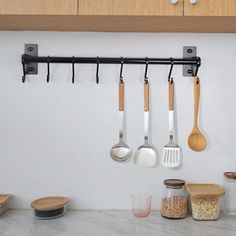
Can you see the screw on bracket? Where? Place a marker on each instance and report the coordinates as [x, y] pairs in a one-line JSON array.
[[30, 49], [190, 72], [190, 50], [31, 69]]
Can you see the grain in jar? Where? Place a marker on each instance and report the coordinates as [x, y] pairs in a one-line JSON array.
[[174, 203]]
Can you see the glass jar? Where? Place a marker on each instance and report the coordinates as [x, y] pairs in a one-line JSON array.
[[205, 201], [174, 204], [230, 193]]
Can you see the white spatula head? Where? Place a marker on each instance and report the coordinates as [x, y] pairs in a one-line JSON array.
[[171, 157]]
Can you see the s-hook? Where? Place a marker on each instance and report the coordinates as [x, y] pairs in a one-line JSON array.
[[121, 70], [48, 67], [97, 72], [146, 72], [24, 72], [73, 70], [170, 79]]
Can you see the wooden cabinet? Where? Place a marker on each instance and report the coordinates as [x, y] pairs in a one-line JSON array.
[[130, 7], [38, 7], [119, 15], [210, 8]]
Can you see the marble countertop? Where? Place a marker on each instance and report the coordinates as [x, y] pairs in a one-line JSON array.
[[111, 223]]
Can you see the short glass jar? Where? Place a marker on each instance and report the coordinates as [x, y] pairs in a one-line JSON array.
[[205, 201], [230, 193], [174, 204]]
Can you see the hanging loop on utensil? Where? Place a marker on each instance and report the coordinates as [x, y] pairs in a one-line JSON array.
[[197, 68], [121, 70], [73, 70], [97, 72], [197, 80], [146, 72], [170, 79], [48, 68]]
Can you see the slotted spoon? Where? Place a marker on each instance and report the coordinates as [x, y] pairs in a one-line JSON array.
[[171, 154]]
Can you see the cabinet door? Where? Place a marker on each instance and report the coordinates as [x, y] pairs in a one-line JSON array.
[[131, 7], [39, 7], [210, 8]]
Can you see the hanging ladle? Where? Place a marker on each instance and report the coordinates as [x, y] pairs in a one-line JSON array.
[[121, 152]]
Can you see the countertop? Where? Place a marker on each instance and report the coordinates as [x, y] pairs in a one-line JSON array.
[[111, 223]]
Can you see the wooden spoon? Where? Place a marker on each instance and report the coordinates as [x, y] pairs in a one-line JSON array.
[[196, 141]]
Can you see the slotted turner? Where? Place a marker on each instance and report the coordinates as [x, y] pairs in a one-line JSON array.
[[171, 154]]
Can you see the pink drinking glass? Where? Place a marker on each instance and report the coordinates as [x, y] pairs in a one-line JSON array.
[[141, 204]]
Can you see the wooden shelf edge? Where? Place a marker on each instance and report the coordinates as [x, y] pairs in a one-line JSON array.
[[194, 24]]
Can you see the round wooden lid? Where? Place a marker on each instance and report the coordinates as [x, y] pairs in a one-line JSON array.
[[174, 182], [230, 175], [49, 203]]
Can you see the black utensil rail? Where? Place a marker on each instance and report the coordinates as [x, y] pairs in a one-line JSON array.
[[29, 60]]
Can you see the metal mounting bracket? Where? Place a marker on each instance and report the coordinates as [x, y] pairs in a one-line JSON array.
[[189, 52], [31, 50]]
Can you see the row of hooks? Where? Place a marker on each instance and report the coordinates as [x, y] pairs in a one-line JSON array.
[[97, 70]]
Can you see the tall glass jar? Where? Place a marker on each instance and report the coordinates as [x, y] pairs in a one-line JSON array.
[[230, 193], [174, 204]]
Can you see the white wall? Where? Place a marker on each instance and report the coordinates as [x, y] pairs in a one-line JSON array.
[[55, 138]]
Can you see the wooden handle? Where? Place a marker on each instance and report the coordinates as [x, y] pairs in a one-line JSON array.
[[196, 99], [146, 96], [121, 96], [171, 95]]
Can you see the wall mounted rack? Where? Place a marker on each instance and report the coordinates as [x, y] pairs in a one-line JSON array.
[[30, 59]]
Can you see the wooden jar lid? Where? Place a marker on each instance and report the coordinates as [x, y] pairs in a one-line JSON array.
[[4, 198], [49, 203], [174, 182], [230, 175], [204, 190]]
